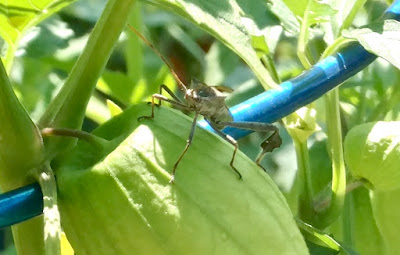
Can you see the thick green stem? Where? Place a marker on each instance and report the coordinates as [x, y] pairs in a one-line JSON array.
[[306, 206], [51, 215], [67, 110], [338, 167]]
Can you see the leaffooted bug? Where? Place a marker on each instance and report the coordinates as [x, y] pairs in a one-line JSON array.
[[209, 101]]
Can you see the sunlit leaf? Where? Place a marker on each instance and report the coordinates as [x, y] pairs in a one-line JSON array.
[[17, 16], [386, 209], [285, 15], [381, 39], [124, 190]]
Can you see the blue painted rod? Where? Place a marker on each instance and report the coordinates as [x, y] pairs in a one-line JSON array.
[[26, 202], [20, 204], [291, 95]]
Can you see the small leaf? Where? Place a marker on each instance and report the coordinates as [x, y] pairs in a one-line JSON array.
[[381, 39], [302, 123], [260, 45], [318, 11]]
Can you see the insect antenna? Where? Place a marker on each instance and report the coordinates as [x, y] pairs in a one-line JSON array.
[[180, 83]]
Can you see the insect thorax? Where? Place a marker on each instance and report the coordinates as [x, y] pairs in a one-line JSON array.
[[209, 102]]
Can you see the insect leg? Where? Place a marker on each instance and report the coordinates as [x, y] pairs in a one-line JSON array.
[[163, 86], [231, 140], [188, 143], [272, 142], [163, 98]]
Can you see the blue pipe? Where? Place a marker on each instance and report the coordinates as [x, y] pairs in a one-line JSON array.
[[291, 95], [27, 202], [20, 204]]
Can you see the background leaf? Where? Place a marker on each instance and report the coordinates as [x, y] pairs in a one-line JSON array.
[[381, 39], [226, 20], [18, 16]]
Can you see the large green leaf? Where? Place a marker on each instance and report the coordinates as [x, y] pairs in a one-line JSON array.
[[381, 39], [124, 191], [17, 16], [367, 237], [386, 209], [233, 23]]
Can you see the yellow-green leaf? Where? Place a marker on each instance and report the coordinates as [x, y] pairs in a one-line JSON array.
[[126, 194]]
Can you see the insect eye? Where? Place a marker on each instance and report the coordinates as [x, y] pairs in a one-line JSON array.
[[202, 93]]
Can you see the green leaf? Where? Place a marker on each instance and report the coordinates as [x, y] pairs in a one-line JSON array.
[[18, 16], [220, 62], [367, 236], [125, 191], [322, 237], [285, 14], [381, 39], [316, 11], [297, 7], [372, 152], [386, 209], [346, 11], [226, 20]]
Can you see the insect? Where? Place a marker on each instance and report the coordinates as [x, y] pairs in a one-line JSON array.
[[209, 101]]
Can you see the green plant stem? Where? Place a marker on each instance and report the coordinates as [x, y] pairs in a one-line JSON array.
[[335, 46], [51, 215], [362, 106], [90, 138], [338, 167], [323, 204], [269, 64], [306, 198], [303, 52], [350, 17], [67, 110]]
